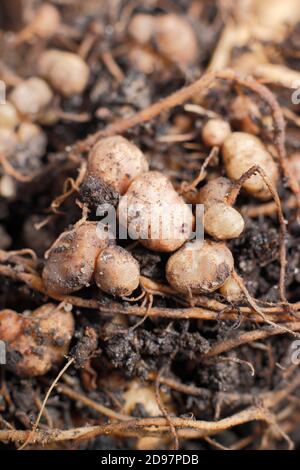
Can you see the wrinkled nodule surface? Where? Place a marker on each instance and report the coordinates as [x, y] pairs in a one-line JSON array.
[[71, 260], [38, 341], [199, 267]]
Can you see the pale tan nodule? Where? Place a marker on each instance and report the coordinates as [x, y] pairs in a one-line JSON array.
[[65, 71], [113, 163], [155, 214], [231, 290], [215, 131], [163, 30], [214, 191], [242, 151], [31, 97], [70, 262], [223, 222], [117, 272], [199, 267], [36, 341]]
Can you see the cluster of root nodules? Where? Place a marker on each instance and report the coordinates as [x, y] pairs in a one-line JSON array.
[[152, 343]]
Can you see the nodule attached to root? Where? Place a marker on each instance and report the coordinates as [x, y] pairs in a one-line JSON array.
[[47, 21], [38, 341], [199, 267], [8, 116], [31, 97], [245, 114], [216, 190], [231, 290], [215, 132], [113, 164], [164, 30], [155, 214], [117, 272], [70, 262], [221, 221], [242, 151], [65, 71]]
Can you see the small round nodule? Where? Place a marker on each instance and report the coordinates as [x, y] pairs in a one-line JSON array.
[[199, 267], [145, 60], [214, 191], [164, 30], [176, 39], [65, 71], [8, 141], [245, 114], [8, 116], [242, 151], [231, 290], [46, 21], [223, 222], [117, 272], [28, 131], [39, 340], [214, 132], [113, 163], [70, 262], [31, 97], [295, 164], [154, 213], [33, 138], [141, 27], [10, 325]]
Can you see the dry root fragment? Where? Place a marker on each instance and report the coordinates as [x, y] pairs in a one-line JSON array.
[[117, 272], [31, 97], [241, 151], [70, 262], [199, 267], [36, 342], [140, 426], [65, 71], [155, 214], [113, 164], [272, 189]]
